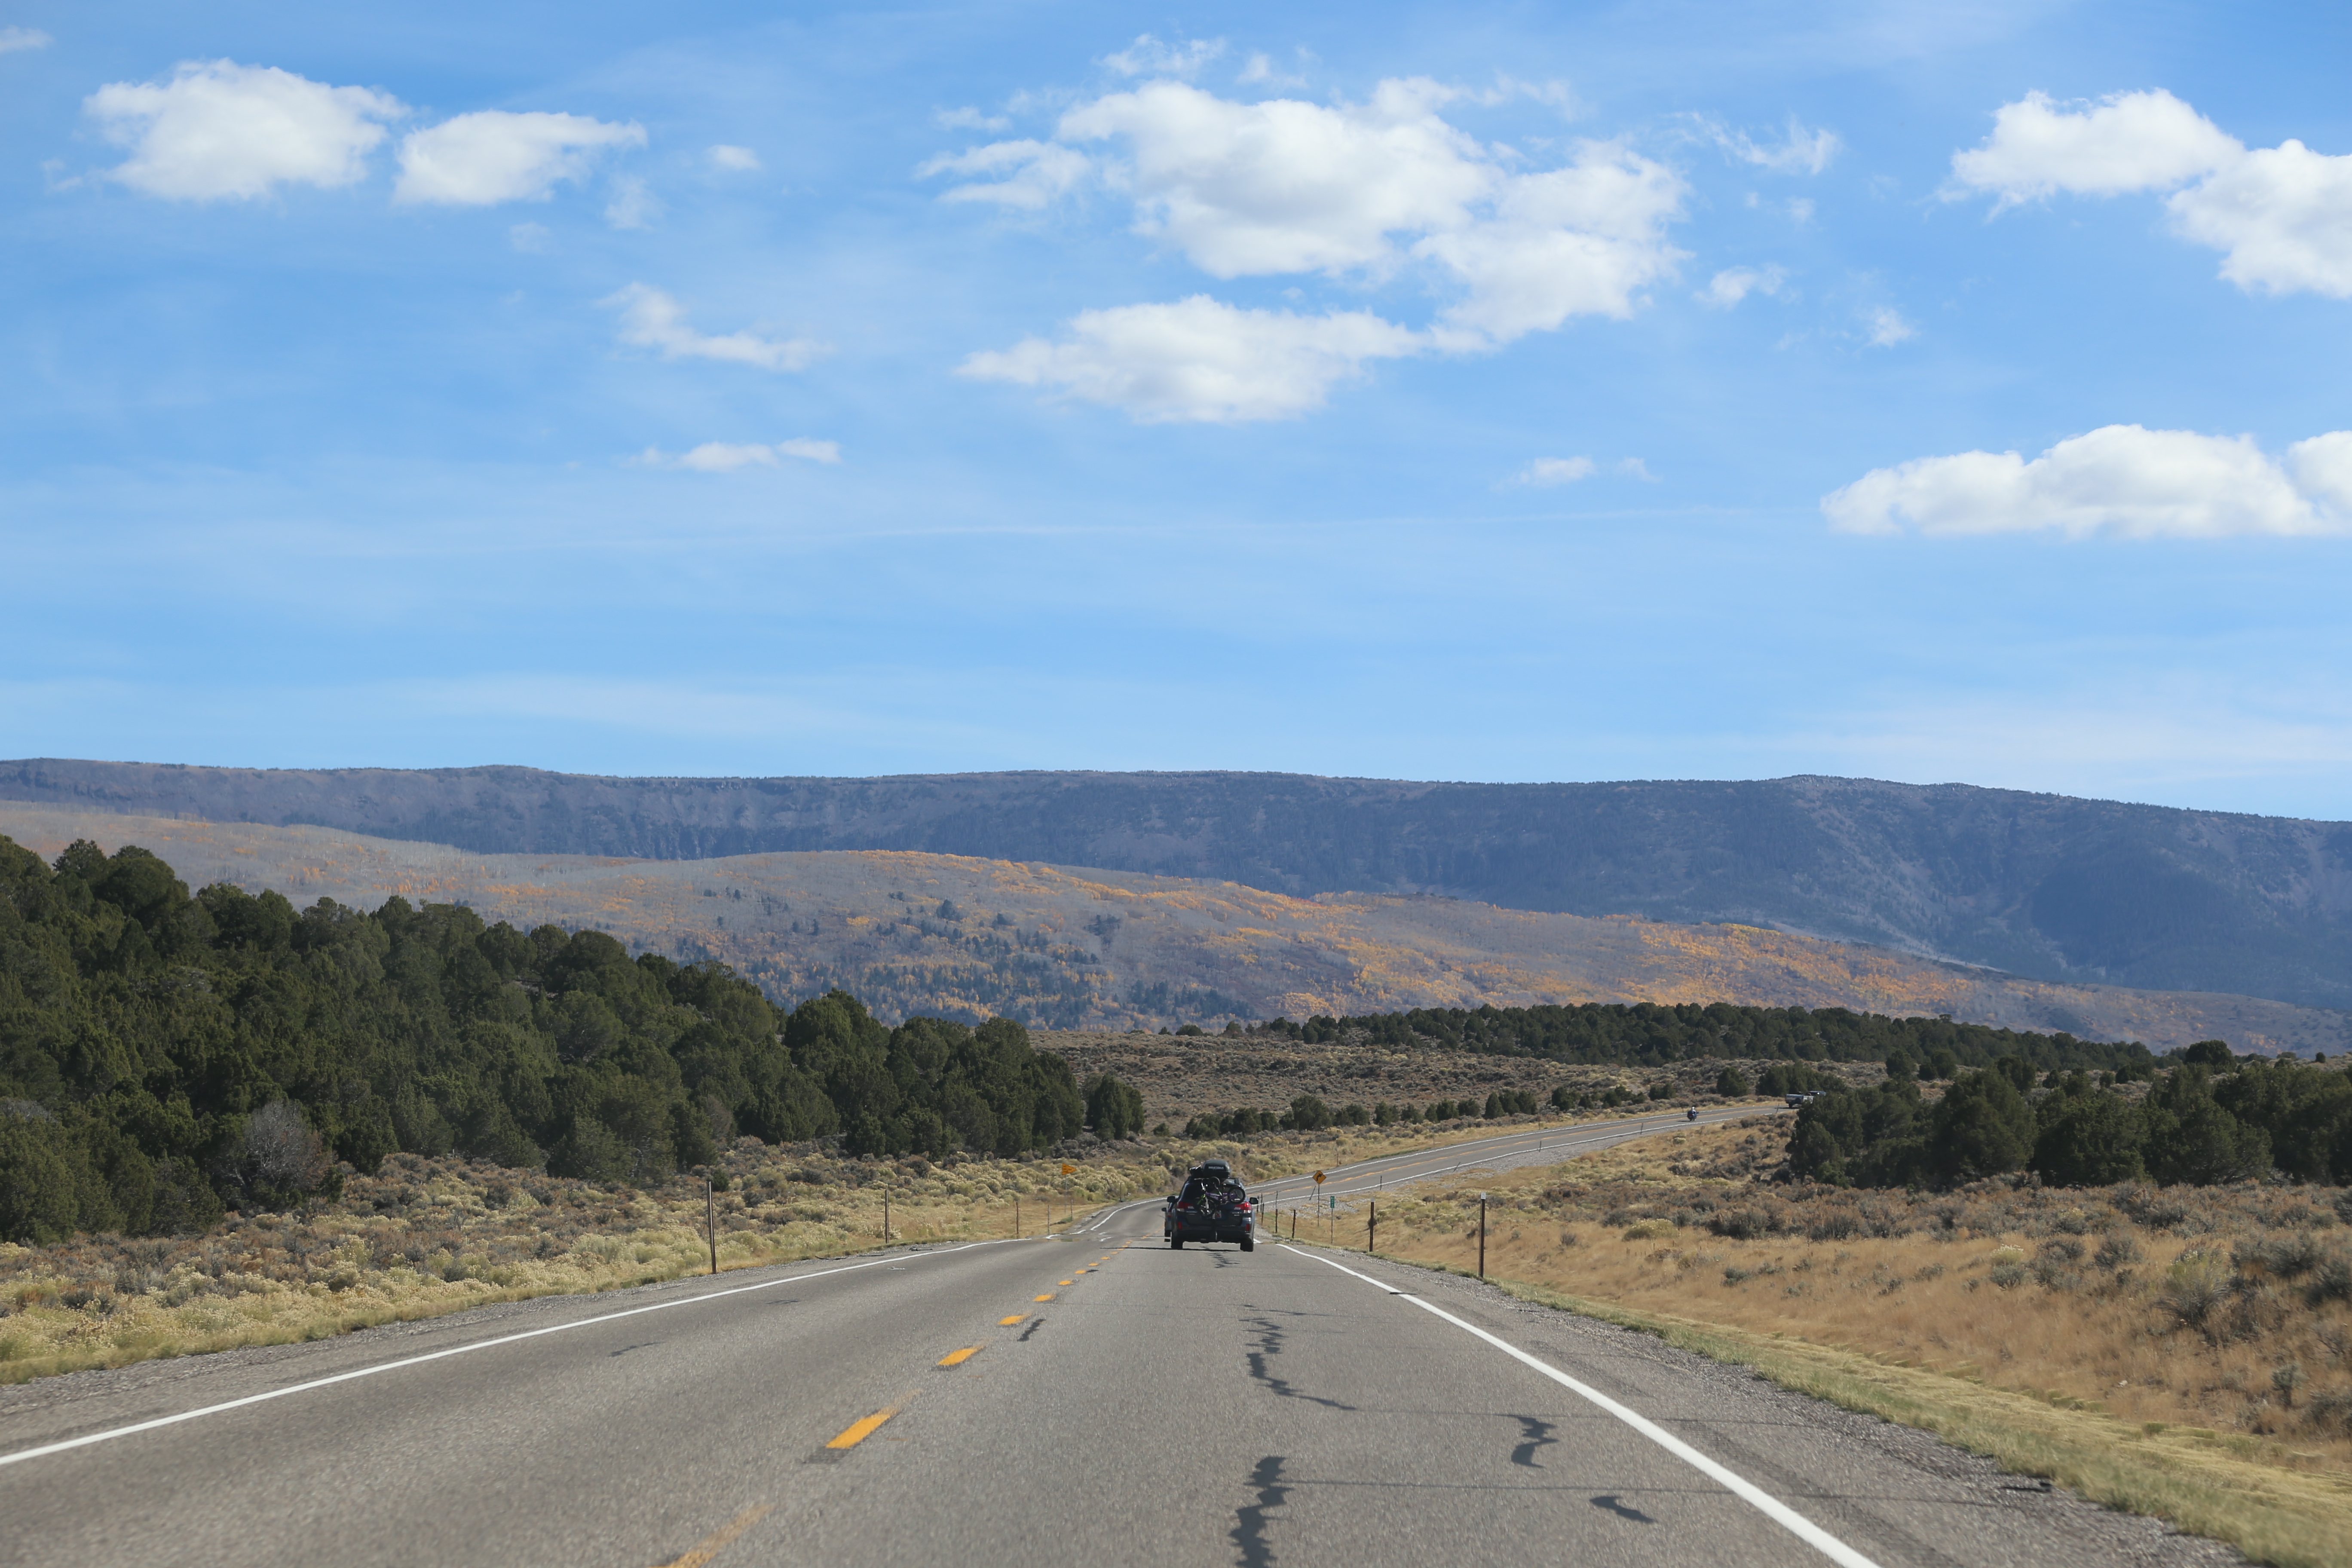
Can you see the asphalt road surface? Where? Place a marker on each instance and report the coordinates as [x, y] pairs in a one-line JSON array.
[[1536, 1146], [1094, 1399]]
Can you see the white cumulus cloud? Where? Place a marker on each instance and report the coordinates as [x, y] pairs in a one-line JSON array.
[[2119, 480], [1027, 173], [2323, 471], [1287, 186], [215, 128], [652, 320], [14, 38], [741, 160], [492, 157], [2127, 142], [1555, 472], [1733, 284], [1199, 360], [1582, 240], [2282, 216], [726, 456], [1369, 190]]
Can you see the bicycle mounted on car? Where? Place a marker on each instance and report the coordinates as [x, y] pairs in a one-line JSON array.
[[1212, 1207]]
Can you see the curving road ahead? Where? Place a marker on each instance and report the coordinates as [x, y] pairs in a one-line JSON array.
[[1088, 1399]]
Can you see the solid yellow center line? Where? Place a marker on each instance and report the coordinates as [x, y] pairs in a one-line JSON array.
[[718, 1541], [1008, 1323], [861, 1430], [1046, 1297], [957, 1358]]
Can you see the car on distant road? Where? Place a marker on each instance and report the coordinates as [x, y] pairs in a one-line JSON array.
[[1212, 1207]]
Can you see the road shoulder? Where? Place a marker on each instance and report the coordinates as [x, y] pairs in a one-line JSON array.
[[2193, 1484]]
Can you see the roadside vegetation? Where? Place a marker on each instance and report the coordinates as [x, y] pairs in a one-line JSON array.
[[2210, 1118], [2178, 1350], [427, 1235]]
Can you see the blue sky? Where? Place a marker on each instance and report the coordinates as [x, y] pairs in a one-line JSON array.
[[1927, 392]]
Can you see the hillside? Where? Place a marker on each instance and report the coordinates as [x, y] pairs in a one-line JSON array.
[[1067, 948], [2042, 886]]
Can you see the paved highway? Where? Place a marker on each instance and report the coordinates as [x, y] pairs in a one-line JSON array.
[[1536, 1146], [1088, 1399]]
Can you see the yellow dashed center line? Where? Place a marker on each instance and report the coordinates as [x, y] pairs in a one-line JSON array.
[[1064, 1281], [1046, 1297], [864, 1429], [1008, 1323], [957, 1358], [718, 1541]]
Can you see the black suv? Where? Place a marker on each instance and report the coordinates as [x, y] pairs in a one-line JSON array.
[[1212, 1207]]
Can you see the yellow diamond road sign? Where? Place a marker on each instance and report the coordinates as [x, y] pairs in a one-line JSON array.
[[1069, 1170], [1319, 1178]]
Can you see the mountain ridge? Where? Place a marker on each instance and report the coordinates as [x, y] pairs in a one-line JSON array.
[[2044, 886], [1075, 947]]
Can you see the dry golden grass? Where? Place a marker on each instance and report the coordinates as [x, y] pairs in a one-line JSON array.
[[2105, 1338], [425, 1238]]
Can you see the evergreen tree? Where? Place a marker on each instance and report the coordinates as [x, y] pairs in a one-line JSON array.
[[1982, 1127]]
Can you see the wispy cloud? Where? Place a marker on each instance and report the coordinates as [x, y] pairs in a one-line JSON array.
[[652, 318], [1888, 327], [483, 158], [1733, 284], [633, 206], [1798, 152], [1027, 173], [968, 120], [727, 457], [14, 38], [1148, 57], [1555, 472]]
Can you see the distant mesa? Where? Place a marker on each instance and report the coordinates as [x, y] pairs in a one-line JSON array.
[[2044, 887], [1064, 947]]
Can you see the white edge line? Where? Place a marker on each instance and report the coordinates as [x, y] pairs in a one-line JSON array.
[[88, 1438], [1764, 1502]]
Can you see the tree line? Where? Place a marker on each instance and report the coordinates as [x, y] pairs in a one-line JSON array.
[[2212, 1118], [1653, 1034], [166, 1055]]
